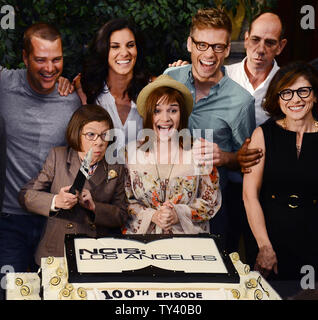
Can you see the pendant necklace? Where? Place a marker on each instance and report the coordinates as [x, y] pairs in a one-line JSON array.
[[164, 185], [298, 146]]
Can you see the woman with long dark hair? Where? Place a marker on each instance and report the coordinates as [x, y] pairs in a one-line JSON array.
[[113, 75]]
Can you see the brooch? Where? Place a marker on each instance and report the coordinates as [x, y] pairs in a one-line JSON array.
[[112, 174]]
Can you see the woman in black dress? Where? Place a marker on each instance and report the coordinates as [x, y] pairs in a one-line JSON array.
[[281, 193]]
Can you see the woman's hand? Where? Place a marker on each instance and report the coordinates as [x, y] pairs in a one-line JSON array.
[[165, 216], [86, 200], [173, 217], [160, 218], [78, 87], [266, 261], [64, 86], [65, 200]]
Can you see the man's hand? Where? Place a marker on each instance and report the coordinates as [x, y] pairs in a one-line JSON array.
[[178, 63], [203, 153], [64, 86], [248, 157], [219, 156], [210, 154]]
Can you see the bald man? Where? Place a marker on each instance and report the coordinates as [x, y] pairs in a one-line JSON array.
[[263, 42]]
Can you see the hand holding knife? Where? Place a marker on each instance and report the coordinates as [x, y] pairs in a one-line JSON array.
[[82, 174]]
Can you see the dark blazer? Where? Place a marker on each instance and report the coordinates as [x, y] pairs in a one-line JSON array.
[[107, 190], [3, 155]]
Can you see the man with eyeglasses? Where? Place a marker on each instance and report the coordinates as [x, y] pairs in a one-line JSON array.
[[220, 103]]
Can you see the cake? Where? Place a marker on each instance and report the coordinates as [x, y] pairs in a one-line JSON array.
[[146, 267]]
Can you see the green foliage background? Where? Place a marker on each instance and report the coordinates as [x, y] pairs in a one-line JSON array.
[[164, 24]]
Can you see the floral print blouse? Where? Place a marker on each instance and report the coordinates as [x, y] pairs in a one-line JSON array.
[[196, 198]]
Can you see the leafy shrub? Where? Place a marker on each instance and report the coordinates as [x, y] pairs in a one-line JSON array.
[[164, 24]]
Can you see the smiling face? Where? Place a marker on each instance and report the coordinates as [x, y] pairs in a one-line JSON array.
[[99, 146], [206, 65], [44, 64], [166, 118], [298, 108], [122, 54]]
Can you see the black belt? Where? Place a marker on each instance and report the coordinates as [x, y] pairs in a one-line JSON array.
[[294, 200]]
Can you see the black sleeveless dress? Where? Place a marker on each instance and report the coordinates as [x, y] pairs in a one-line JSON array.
[[289, 198]]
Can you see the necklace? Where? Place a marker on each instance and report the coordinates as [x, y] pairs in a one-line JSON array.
[[163, 185], [298, 146], [315, 125]]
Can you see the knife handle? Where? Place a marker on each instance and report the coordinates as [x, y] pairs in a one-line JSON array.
[[78, 183], [72, 190]]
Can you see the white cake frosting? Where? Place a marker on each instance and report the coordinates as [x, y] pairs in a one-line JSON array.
[[22, 286], [55, 274]]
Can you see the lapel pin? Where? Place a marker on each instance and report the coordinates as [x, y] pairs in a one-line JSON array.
[[112, 174]]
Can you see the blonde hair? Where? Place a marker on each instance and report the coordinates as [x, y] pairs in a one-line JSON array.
[[211, 18]]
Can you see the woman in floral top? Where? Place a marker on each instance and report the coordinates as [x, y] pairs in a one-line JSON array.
[[167, 192]]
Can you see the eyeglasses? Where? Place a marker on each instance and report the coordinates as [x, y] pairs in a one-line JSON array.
[[287, 94], [91, 136], [204, 46]]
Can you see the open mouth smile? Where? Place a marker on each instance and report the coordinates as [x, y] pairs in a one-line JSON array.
[[205, 63], [296, 108], [48, 76], [123, 62]]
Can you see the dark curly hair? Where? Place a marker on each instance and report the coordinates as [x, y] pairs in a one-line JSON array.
[[95, 65], [285, 77]]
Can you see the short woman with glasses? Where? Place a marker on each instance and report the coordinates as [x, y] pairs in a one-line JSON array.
[[100, 207], [281, 193]]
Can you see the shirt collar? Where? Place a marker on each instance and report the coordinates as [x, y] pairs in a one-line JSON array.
[[107, 92], [274, 69], [216, 86]]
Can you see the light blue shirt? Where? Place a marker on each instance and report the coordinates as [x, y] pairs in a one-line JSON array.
[[228, 110]]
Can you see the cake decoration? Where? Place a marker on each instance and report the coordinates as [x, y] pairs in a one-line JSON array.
[[55, 281], [18, 281], [258, 294], [236, 293], [141, 263], [25, 290]]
